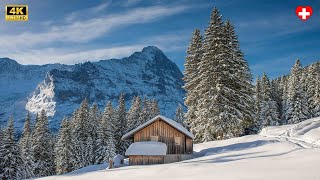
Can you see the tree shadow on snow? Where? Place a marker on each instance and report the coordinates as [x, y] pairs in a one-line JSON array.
[[237, 157], [232, 147]]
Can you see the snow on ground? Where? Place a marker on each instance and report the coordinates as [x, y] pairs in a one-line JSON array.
[[285, 152]]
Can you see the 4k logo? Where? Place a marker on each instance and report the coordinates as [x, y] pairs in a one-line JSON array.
[[17, 13]]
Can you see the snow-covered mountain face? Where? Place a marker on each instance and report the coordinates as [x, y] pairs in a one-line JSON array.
[[59, 89]]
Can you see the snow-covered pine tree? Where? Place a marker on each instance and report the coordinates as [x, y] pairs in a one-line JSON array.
[[210, 72], [106, 130], [297, 110], [121, 126], [276, 94], [240, 84], [63, 148], [312, 88], [191, 76], [25, 142], [145, 112], [154, 108], [284, 104], [109, 115], [134, 113], [101, 144], [42, 147], [92, 130], [12, 165], [316, 96], [258, 99], [269, 115], [80, 136], [180, 116]]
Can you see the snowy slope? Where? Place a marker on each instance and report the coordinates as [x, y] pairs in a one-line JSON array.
[[59, 89], [269, 156]]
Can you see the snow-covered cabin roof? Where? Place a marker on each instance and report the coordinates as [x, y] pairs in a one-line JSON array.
[[147, 148], [171, 122]]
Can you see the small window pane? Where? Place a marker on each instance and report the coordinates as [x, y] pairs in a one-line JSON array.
[[177, 140], [154, 138]]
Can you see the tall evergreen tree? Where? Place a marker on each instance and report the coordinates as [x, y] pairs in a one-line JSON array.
[[25, 142], [12, 165], [208, 105], [106, 134], [109, 115], [81, 136], [312, 88], [258, 99], [145, 112], [94, 116], [297, 110], [42, 147], [191, 76], [154, 108], [121, 126], [63, 148], [240, 84], [225, 102], [134, 114], [268, 115], [180, 116]]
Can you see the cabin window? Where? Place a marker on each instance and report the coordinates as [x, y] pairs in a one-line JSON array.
[[154, 138], [177, 141]]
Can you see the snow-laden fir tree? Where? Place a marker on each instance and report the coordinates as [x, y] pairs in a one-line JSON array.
[[240, 85], [312, 88], [209, 106], [63, 148], [145, 112], [42, 147], [134, 114], [121, 126], [111, 129], [12, 165], [180, 116], [276, 95], [93, 131], [82, 153], [154, 108], [25, 142], [191, 76], [101, 144], [106, 129], [257, 105], [268, 115], [284, 105], [297, 102], [225, 103]]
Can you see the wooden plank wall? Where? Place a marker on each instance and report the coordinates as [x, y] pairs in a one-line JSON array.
[[166, 135], [145, 160]]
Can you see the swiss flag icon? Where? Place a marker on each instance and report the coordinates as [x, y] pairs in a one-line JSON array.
[[304, 12]]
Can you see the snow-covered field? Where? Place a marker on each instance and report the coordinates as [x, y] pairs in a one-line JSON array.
[[290, 152]]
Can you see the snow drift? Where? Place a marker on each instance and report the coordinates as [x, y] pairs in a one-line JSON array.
[[282, 152]]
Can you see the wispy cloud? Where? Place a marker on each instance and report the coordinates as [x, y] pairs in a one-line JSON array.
[[84, 31], [70, 56], [41, 46], [129, 3], [89, 12]]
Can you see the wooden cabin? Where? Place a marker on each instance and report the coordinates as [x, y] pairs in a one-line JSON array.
[[159, 140]]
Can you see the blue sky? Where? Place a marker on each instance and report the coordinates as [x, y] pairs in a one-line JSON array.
[[271, 35]]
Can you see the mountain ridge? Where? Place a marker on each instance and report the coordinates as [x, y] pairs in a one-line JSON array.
[[60, 88]]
